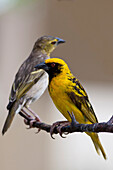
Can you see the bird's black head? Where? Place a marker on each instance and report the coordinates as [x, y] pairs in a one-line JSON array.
[[53, 67]]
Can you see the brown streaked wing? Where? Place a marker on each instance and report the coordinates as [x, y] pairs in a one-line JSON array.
[[23, 74], [33, 79]]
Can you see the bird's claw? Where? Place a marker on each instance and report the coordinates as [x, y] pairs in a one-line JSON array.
[[31, 122], [58, 125], [59, 129], [27, 121], [52, 129], [38, 131]]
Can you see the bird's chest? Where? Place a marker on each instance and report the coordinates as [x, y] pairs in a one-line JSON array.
[[38, 89], [57, 89], [58, 93]]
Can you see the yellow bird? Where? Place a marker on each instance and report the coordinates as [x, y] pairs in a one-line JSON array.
[[69, 96]]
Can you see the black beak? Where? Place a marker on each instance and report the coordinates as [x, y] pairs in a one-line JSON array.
[[42, 66], [60, 41]]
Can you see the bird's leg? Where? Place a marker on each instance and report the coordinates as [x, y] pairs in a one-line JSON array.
[[37, 119], [59, 126], [31, 118], [110, 121], [73, 120], [26, 113]]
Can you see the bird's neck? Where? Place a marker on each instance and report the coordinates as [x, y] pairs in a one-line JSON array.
[[60, 75], [45, 52], [38, 52], [48, 50]]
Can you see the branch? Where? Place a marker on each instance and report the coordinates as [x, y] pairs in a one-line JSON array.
[[74, 126]]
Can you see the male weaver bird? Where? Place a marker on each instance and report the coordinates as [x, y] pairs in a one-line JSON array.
[[26, 87], [69, 96]]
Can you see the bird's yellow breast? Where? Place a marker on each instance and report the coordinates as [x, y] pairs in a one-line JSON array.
[[58, 89]]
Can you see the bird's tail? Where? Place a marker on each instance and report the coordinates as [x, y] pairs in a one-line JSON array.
[[10, 117], [97, 144]]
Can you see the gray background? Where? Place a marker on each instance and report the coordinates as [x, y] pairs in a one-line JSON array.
[[87, 27]]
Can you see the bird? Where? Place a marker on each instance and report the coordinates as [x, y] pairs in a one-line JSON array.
[[28, 88], [69, 96]]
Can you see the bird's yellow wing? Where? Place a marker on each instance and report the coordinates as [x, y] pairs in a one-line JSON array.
[[80, 98]]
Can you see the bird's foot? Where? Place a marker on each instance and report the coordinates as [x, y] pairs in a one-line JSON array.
[[58, 125], [73, 120], [32, 120]]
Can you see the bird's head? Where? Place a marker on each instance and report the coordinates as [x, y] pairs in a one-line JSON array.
[[47, 44], [53, 67]]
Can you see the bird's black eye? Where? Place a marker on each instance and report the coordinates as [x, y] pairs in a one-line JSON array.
[[52, 64], [53, 42]]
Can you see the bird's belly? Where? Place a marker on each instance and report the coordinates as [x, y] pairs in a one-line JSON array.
[[37, 89], [64, 104]]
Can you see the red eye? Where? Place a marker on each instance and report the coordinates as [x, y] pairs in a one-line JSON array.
[[52, 64], [54, 42]]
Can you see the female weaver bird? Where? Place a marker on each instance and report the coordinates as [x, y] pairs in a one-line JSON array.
[[26, 87], [69, 96]]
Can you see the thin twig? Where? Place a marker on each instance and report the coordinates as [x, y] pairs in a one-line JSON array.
[[96, 127]]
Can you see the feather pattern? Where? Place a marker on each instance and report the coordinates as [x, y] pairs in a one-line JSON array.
[[69, 96], [29, 87]]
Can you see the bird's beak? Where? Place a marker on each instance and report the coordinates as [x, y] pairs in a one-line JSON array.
[[60, 40], [42, 66]]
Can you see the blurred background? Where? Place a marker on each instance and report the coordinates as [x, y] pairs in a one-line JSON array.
[[87, 27]]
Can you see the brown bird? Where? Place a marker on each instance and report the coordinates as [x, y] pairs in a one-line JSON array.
[[27, 87]]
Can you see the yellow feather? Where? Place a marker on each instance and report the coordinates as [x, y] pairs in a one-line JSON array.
[[63, 84]]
